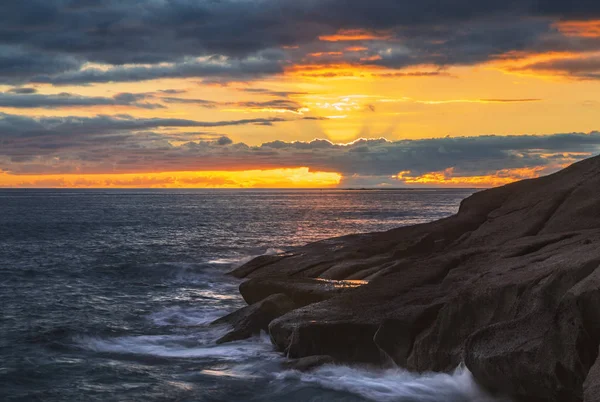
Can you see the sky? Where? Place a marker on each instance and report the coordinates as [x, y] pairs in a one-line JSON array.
[[287, 93]]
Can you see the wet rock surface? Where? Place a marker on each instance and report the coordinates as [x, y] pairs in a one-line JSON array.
[[510, 286], [308, 363], [250, 320]]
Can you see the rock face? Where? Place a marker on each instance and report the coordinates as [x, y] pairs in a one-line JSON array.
[[251, 320], [510, 286], [592, 384]]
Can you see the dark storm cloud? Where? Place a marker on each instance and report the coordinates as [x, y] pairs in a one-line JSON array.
[[51, 39], [24, 99]]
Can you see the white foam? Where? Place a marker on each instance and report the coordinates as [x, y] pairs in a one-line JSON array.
[[395, 384], [178, 346], [255, 358]]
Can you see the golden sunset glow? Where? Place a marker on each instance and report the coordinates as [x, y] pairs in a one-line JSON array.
[[349, 35], [276, 178], [448, 178]]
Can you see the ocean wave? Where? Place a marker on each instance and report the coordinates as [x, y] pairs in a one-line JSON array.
[[235, 262], [185, 316], [178, 346], [395, 385], [199, 274]]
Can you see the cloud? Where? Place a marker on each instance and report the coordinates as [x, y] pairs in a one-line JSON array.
[[22, 90], [62, 144], [26, 98], [273, 105], [12, 126], [580, 67], [18, 64], [224, 141], [50, 41], [123, 144], [214, 68], [269, 92]]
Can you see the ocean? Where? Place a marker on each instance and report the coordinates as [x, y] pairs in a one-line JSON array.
[[106, 295]]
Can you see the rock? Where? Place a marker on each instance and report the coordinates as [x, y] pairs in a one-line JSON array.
[[527, 356], [250, 320], [256, 263], [302, 291], [510, 285], [591, 386], [308, 363]]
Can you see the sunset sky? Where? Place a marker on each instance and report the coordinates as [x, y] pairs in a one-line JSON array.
[[285, 93]]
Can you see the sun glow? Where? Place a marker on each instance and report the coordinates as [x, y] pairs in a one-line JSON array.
[[274, 178]]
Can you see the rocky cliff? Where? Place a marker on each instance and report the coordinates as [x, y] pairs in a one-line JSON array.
[[510, 286]]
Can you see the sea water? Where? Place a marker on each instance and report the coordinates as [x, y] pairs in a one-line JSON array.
[[107, 295]]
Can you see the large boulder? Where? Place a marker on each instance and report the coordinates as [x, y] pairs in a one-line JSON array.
[[250, 320]]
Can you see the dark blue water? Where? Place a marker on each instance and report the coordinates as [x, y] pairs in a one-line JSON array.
[[106, 295]]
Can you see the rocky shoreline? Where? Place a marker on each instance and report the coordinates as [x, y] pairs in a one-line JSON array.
[[509, 286]]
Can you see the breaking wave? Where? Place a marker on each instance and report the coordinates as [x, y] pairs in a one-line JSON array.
[[395, 385]]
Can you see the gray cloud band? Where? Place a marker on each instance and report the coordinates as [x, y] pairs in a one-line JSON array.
[[121, 144]]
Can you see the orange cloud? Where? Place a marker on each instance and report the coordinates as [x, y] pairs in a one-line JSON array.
[[532, 64], [321, 54], [356, 49], [448, 178], [338, 70], [350, 35], [584, 29], [275, 178]]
